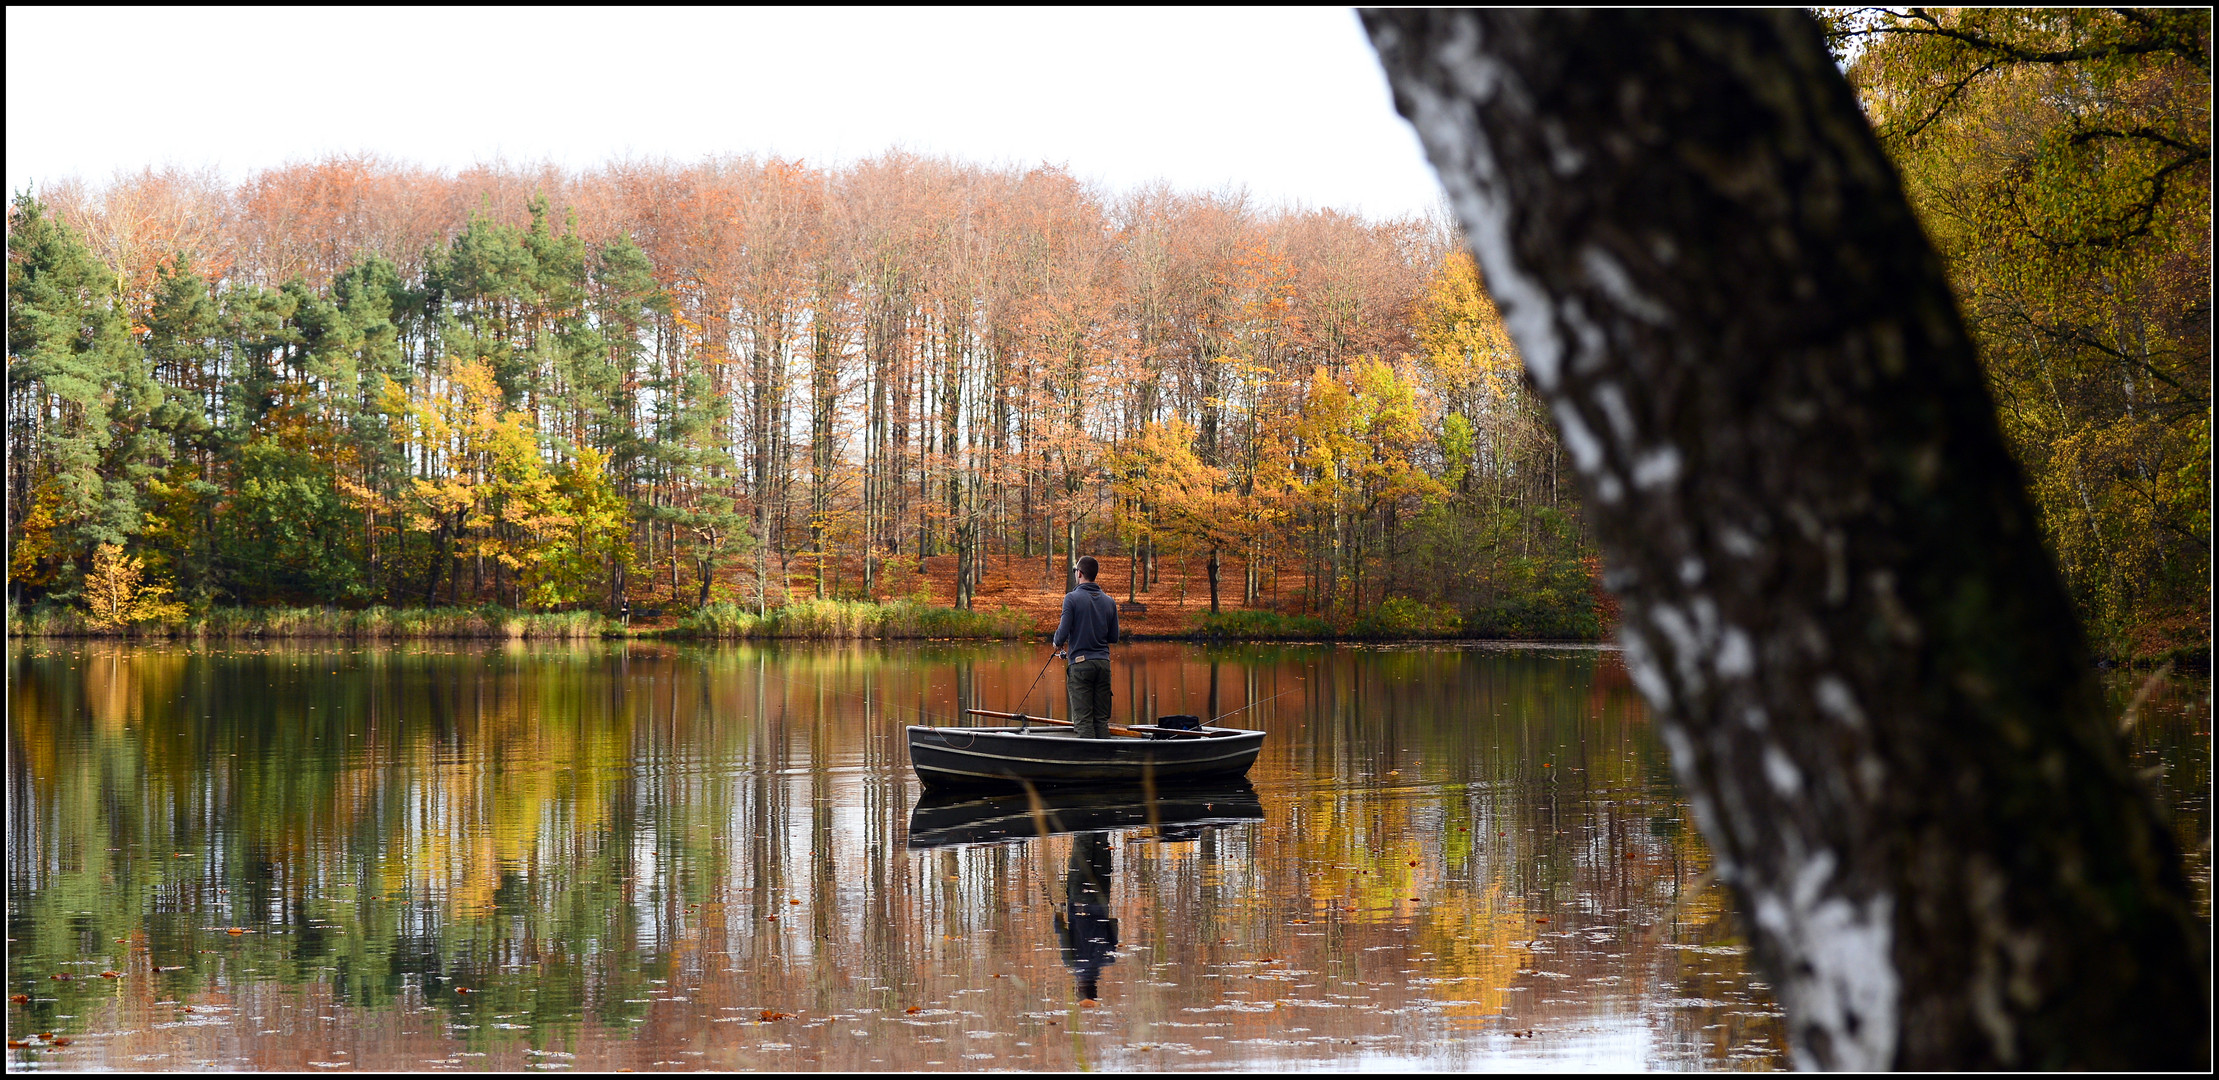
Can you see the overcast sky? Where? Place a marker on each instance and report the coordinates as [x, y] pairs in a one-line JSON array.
[[1287, 103]]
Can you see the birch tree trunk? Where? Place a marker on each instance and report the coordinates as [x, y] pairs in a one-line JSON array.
[[1835, 594]]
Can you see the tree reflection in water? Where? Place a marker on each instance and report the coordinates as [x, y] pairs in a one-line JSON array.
[[294, 855]]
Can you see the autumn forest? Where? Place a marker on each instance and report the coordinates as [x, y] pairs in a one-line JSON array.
[[757, 383], [350, 383]]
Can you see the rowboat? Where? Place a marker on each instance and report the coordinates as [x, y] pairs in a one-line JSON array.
[[1053, 755], [945, 818]]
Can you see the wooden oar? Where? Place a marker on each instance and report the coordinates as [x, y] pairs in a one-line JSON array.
[[1140, 732]]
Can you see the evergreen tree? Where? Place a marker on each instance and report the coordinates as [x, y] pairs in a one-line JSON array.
[[85, 386], [182, 348]]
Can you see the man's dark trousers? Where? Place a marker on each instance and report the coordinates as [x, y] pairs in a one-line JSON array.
[[1087, 683]]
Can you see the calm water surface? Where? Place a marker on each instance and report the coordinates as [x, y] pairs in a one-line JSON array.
[[482, 857]]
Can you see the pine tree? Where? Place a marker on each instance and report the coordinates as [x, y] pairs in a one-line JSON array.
[[84, 384]]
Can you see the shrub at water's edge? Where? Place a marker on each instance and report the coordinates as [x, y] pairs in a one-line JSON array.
[[851, 619], [1262, 626], [377, 622], [1539, 617], [1401, 619]]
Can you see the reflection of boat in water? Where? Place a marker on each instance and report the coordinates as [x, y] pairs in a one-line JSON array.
[[1007, 756], [944, 818]]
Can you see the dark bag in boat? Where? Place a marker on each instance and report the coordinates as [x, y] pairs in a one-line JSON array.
[[1179, 722]]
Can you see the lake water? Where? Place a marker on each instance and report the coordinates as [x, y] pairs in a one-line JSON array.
[[453, 856]]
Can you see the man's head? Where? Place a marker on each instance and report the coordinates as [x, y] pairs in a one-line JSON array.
[[1088, 567]]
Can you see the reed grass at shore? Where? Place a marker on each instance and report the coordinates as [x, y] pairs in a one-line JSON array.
[[368, 623], [814, 619], [852, 619]]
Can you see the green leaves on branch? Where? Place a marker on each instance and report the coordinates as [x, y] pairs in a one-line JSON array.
[[2060, 159]]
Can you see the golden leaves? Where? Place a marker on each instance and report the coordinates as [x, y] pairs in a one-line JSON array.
[[115, 597]]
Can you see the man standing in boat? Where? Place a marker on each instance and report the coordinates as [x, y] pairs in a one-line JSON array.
[[1088, 629]]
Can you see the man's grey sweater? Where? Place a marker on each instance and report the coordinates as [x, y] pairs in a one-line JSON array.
[[1089, 623]]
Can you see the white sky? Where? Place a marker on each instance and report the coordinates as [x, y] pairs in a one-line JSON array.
[[1289, 103]]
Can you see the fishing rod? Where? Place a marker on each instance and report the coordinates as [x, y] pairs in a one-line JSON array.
[[1036, 679], [1250, 705]]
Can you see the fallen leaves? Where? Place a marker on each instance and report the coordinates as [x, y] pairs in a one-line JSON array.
[[20, 999], [111, 974], [914, 1009], [770, 1016]]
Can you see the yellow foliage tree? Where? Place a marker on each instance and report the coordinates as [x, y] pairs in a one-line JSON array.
[[1356, 438], [37, 552], [114, 596]]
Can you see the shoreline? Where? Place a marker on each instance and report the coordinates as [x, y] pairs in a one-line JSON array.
[[822, 621], [894, 621]]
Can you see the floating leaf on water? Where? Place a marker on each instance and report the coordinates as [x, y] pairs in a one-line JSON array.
[[914, 1009], [772, 1015], [20, 999]]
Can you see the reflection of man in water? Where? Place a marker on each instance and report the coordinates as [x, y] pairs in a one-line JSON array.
[[1089, 934]]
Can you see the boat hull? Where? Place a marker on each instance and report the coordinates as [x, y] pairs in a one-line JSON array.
[[1044, 757]]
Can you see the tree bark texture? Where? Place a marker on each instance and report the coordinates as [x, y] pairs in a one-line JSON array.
[[1835, 595]]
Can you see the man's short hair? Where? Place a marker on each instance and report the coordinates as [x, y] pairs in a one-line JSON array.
[[1088, 567]]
